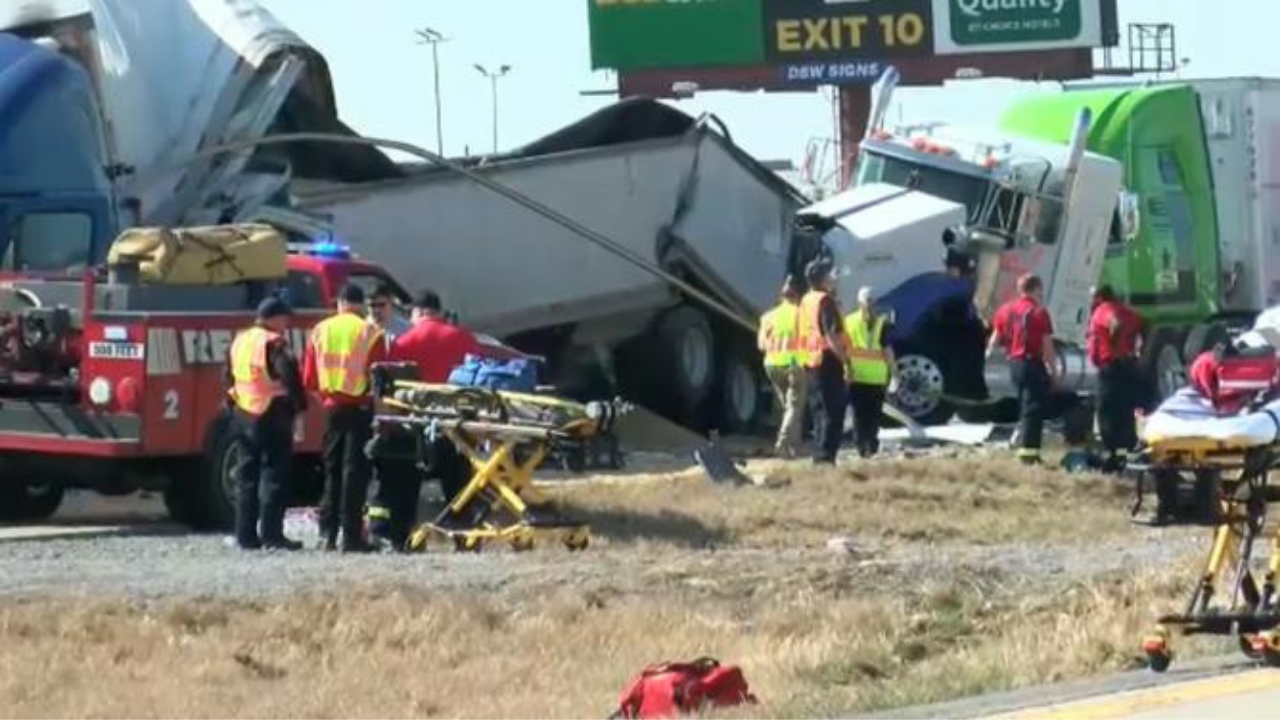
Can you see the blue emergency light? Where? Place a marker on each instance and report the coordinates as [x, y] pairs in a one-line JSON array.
[[330, 250]]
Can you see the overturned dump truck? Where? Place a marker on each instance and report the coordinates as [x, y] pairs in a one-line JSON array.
[[671, 189], [695, 214]]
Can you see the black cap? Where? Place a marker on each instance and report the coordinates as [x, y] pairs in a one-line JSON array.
[[792, 285], [273, 307], [429, 300], [818, 271], [351, 294]]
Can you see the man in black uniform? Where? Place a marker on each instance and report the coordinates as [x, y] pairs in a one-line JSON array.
[[825, 351], [265, 394]]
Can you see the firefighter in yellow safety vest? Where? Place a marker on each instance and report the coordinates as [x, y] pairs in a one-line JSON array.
[[824, 350], [339, 354], [871, 367], [265, 394], [779, 340]]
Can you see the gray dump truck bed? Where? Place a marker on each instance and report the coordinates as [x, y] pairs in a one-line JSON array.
[[687, 200]]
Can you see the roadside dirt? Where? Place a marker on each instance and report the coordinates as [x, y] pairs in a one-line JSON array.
[[880, 585]]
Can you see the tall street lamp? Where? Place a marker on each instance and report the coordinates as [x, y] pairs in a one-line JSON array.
[[428, 36], [494, 76]]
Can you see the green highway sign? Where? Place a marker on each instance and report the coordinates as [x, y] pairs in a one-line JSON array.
[[640, 34], [1009, 22]]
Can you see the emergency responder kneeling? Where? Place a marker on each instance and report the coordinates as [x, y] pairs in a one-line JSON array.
[[1024, 329], [871, 366], [265, 394], [825, 352], [339, 353], [779, 341], [1115, 334]]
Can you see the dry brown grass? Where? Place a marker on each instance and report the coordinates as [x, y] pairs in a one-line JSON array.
[[969, 499], [402, 653], [816, 633]]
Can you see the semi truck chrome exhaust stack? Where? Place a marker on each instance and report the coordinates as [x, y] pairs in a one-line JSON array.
[[1075, 156]]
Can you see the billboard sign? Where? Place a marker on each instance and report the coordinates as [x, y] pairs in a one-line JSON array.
[[834, 40], [824, 30], [637, 34], [975, 26], [837, 72]]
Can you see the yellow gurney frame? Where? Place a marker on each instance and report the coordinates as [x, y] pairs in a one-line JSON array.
[[504, 436], [1222, 605]]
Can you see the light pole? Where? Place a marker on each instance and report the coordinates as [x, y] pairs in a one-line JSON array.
[[428, 36], [494, 76]]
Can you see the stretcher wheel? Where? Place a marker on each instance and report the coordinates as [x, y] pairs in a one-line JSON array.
[[1249, 646], [1159, 661], [522, 542], [577, 540], [466, 544], [1156, 647]]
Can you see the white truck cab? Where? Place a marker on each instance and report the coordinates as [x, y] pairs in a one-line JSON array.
[[1014, 206]]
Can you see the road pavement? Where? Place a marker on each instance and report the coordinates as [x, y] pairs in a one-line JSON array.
[[1249, 694]]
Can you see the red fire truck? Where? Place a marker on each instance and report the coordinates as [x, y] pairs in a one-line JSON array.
[[117, 386]]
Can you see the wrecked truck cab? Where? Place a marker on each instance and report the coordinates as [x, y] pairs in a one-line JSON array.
[[1026, 206], [894, 240], [55, 196]]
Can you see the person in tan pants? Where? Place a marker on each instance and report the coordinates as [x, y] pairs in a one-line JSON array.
[[779, 341]]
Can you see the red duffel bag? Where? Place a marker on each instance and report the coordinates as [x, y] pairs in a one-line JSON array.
[[672, 689]]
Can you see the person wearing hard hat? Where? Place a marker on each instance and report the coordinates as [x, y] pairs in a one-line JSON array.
[[824, 351], [779, 341], [265, 394], [871, 367]]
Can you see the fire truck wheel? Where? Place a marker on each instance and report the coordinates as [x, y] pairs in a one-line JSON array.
[[23, 502], [202, 495]]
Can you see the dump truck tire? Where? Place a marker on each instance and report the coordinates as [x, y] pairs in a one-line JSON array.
[[740, 392], [687, 348]]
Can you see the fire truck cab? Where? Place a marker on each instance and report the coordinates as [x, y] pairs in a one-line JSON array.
[[119, 387]]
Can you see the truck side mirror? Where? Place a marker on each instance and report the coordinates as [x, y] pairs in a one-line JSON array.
[[1129, 215]]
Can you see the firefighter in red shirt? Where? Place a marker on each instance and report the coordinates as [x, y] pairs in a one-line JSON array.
[[436, 346], [1024, 329], [339, 353], [1115, 332]]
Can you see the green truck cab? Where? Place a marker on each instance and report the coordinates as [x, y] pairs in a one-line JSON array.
[[1196, 173]]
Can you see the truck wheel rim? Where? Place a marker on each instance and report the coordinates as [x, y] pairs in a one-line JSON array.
[[695, 360], [920, 385], [1171, 373], [742, 394], [230, 459]]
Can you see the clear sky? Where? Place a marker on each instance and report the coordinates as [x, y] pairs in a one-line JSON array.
[[383, 77]]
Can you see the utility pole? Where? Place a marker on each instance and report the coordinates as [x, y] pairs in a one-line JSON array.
[[494, 76], [428, 36]]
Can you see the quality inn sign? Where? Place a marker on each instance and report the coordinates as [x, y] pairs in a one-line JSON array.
[[1003, 22]]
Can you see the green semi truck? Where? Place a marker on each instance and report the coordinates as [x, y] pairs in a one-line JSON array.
[[1202, 164]]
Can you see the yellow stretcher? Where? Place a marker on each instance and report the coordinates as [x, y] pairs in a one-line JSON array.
[[1227, 598], [504, 436]]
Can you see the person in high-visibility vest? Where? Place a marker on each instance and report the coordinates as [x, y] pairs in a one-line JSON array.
[[871, 367], [264, 394], [339, 353], [824, 351], [779, 341]]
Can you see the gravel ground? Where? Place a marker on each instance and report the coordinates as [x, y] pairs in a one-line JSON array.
[[161, 565]]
